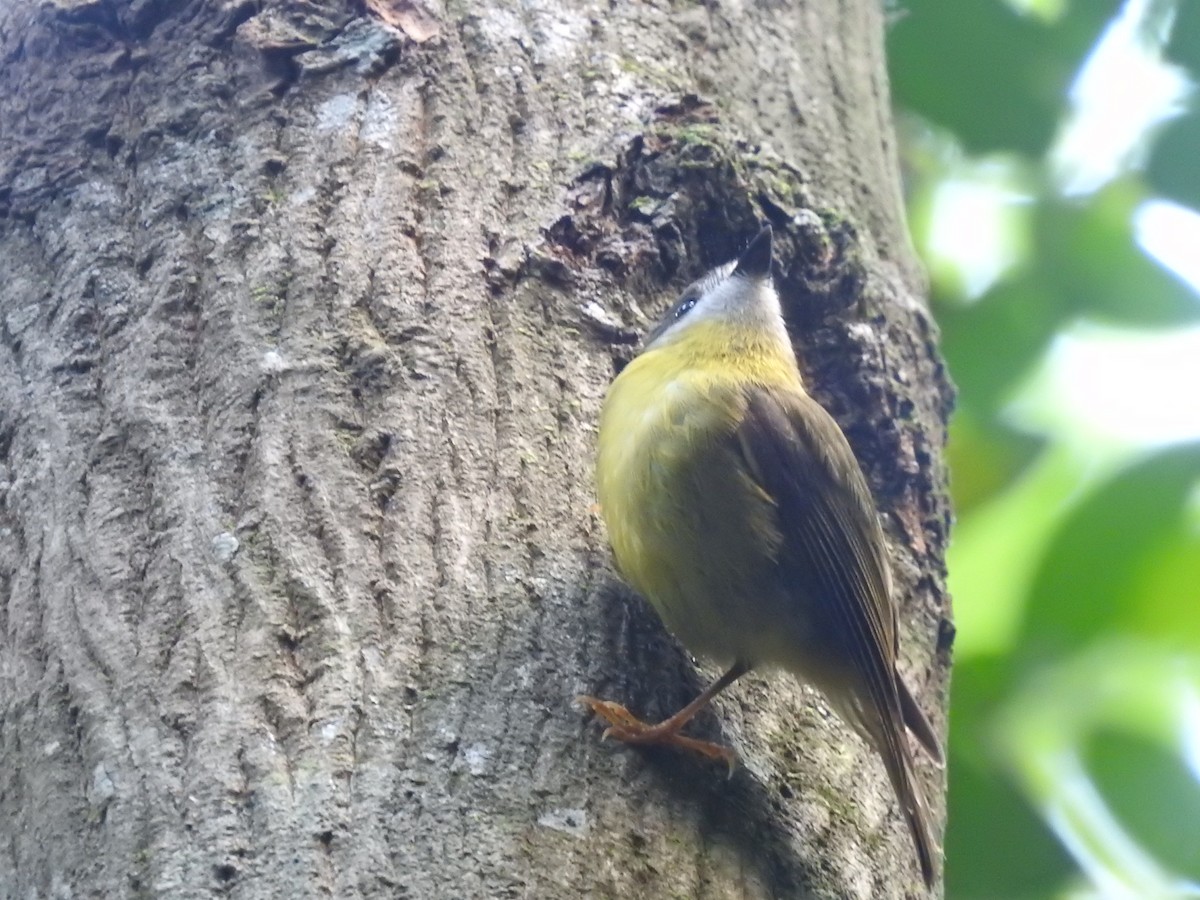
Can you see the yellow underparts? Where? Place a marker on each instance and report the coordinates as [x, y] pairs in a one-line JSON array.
[[690, 529]]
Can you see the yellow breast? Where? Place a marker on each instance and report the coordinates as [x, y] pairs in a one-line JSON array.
[[689, 528]]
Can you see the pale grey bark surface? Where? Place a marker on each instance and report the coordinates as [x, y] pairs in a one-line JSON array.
[[306, 314]]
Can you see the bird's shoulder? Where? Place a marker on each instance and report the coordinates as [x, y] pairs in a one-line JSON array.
[[831, 536], [794, 443]]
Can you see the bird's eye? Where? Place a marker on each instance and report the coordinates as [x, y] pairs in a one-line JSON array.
[[685, 306]]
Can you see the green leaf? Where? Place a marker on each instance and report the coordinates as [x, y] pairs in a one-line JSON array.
[[1087, 252], [995, 78], [1172, 169], [1183, 47], [1167, 575], [998, 551], [1092, 569], [985, 457], [1151, 791], [996, 846], [991, 344]]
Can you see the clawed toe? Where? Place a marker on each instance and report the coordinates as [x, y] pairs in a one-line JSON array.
[[625, 726]]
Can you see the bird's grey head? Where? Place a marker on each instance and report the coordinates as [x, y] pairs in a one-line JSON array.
[[739, 292]]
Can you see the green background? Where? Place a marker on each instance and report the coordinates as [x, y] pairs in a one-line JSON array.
[[1075, 567]]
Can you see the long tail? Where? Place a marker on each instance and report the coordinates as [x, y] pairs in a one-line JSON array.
[[893, 747], [915, 719], [880, 720]]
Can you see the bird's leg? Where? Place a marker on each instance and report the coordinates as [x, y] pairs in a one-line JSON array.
[[625, 726]]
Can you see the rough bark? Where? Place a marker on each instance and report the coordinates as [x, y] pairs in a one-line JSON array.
[[306, 314]]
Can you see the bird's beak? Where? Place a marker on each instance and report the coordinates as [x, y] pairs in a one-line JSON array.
[[755, 262]]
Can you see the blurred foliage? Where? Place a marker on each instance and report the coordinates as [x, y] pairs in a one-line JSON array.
[[1172, 168], [1075, 715]]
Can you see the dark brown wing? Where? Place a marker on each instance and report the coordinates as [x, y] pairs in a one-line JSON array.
[[832, 556], [832, 542]]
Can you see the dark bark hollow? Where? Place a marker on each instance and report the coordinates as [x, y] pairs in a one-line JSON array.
[[306, 317]]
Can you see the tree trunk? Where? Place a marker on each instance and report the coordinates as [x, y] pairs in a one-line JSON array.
[[307, 312]]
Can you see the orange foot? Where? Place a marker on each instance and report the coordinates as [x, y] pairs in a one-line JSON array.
[[625, 726]]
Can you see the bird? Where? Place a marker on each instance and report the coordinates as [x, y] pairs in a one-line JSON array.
[[735, 505]]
